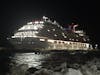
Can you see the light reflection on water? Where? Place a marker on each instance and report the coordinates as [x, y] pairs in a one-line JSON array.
[[31, 59], [62, 63]]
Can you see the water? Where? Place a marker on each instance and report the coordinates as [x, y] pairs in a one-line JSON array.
[[31, 59], [50, 63]]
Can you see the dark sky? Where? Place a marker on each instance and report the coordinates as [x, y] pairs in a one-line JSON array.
[[84, 12]]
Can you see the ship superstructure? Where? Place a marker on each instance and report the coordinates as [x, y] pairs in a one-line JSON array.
[[47, 35]]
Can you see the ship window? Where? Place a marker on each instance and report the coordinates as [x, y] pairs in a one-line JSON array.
[[76, 39], [28, 27], [48, 30], [32, 42], [55, 41], [77, 36], [88, 39], [53, 29], [55, 35], [61, 27], [41, 22], [84, 39], [35, 28], [49, 40], [36, 22], [59, 42], [65, 36], [70, 39]]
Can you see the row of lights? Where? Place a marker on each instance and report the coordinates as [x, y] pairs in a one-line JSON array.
[[36, 22], [86, 45], [52, 29]]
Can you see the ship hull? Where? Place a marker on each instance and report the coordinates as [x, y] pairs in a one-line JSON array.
[[31, 43], [28, 43]]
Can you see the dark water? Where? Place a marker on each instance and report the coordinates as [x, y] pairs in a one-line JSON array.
[[50, 63]]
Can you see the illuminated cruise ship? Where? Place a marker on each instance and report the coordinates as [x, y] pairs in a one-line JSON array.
[[45, 34]]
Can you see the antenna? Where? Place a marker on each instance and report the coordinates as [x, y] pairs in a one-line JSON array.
[[72, 27]]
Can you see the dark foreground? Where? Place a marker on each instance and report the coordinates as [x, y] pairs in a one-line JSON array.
[[49, 62]]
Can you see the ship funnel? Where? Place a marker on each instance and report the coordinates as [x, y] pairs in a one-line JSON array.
[[72, 27], [75, 27]]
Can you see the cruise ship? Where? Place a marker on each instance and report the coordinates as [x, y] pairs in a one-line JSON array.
[[45, 34]]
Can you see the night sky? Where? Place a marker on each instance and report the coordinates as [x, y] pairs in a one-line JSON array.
[[14, 14]]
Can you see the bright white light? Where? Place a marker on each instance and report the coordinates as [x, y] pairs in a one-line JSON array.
[[22, 28], [34, 36], [55, 22], [41, 22], [36, 22], [53, 29], [35, 28], [65, 36], [48, 30], [77, 36], [55, 35], [87, 45], [42, 39], [31, 59], [25, 34], [84, 39], [28, 27], [44, 17], [76, 39], [13, 37], [52, 41], [70, 39], [67, 42], [29, 23]]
